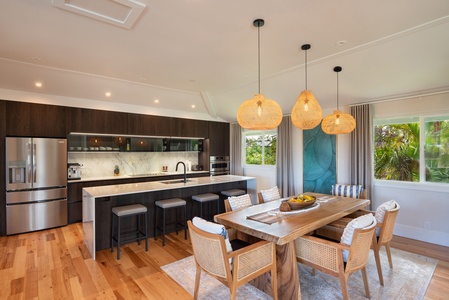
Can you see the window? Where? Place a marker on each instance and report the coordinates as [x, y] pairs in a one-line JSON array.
[[260, 147], [436, 149], [398, 154]]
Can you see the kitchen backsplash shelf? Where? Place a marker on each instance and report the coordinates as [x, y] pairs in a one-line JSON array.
[[104, 143]]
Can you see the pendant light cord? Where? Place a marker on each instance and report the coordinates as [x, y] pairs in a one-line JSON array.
[[258, 54], [337, 90], [306, 66]]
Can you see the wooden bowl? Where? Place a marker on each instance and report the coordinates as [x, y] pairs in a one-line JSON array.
[[300, 205]]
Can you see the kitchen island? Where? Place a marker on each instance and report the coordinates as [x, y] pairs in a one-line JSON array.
[[98, 201]]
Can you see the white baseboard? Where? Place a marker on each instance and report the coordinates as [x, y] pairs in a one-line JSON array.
[[420, 234]]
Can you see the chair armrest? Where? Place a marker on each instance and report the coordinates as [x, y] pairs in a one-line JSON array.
[[320, 253], [247, 249], [254, 260]]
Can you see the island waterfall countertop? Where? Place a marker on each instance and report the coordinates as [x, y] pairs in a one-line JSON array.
[[91, 194]]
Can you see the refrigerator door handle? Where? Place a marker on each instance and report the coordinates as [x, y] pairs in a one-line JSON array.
[[34, 162], [28, 165]]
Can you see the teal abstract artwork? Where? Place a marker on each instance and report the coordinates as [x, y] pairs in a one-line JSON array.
[[319, 161]]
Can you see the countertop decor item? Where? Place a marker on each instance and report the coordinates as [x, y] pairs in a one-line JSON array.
[[338, 122], [259, 113], [116, 171], [306, 113]]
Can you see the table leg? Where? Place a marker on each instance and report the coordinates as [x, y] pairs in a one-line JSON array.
[[287, 273]]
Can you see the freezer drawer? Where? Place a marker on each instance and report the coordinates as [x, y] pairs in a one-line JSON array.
[[35, 216], [36, 195]]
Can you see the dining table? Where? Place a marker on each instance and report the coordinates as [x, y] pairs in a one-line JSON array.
[[266, 222]]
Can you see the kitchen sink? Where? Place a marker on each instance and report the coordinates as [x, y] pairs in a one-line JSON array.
[[175, 181]]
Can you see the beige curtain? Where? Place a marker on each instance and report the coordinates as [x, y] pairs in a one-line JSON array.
[[236, 150], [284, 158], [361, 150]]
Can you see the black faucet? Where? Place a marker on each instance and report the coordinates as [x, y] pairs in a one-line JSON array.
[[185, 177]]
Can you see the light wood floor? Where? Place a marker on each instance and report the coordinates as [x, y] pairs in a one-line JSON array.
[[54, 264]]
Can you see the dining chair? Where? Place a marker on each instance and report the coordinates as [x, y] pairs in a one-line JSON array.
[[385, 215], [349, 190], [237, 202], [233, 268], [340, 259], [269, 195]]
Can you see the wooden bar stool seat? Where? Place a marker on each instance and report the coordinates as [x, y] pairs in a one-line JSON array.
[[165, 205], [120, 212], [206, 198]]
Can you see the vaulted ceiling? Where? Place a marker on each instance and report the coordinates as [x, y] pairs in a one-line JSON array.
[[204, 52]]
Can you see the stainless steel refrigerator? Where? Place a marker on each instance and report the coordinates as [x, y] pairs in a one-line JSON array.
[[36, 184]]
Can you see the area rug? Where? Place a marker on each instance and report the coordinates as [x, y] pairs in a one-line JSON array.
[[407, 280]]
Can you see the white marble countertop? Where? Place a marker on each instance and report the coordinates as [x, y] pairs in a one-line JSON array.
[[141, 187], [125, 176]]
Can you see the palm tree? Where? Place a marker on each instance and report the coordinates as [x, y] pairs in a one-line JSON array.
[[396, 155]]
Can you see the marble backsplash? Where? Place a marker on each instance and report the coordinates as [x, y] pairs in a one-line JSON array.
[[102, 164]]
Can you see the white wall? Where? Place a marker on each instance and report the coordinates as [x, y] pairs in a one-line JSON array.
[[420, 202]]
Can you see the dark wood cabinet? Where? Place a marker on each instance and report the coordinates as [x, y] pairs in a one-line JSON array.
[[192, 128], [96, 121], [166, 126], [150, 125], [35, 120], [219, 139]]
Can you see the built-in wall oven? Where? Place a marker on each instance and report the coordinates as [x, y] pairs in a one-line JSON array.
[[219, 165]]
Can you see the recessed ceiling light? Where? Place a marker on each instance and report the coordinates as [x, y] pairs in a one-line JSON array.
[[156, 101], [193, 105], [38, 84], [107, 94], [341, 43]]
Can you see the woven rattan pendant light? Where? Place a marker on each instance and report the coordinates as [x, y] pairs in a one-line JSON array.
[[338, 122], [306, 113], [259, 113]]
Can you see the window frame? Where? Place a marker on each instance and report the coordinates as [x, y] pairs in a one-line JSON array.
[[258, 132], [422, 184]]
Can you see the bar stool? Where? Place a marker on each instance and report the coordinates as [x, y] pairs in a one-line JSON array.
[[165, 205], [120, 212], [206, 198]]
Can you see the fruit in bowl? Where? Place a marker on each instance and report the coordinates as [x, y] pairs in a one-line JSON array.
[[301, 201]]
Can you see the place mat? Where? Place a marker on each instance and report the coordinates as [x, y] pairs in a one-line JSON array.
[[274, 215], [264, 217]]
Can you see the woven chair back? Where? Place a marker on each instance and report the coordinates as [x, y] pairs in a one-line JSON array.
[[386, 233], [360, 248], [209, 251]]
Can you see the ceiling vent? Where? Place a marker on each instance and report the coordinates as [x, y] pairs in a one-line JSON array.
[[122, 13]]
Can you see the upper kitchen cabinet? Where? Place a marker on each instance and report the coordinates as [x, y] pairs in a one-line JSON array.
[[35, 120], [150, 125], [190, 128], [97, 121], [219, 139], [166, 126]]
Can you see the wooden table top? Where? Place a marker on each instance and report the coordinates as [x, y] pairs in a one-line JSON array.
[[289, 227]]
